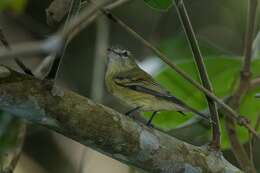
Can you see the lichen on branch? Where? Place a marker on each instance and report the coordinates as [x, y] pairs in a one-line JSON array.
[[103, 129]]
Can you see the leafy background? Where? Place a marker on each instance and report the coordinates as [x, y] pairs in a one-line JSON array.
[[221, 37], [223, 72]]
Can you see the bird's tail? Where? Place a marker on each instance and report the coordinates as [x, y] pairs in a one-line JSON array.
[[199, 114], [188, 108]]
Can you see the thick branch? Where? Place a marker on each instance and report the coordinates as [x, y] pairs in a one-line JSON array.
[[103, 129], [53, 45], [182, 13]]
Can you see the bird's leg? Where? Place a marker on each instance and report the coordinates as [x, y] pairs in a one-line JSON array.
[[132, 111], [182, 113], [149, 123]]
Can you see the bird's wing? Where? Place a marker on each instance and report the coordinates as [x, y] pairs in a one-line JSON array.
[[140, 81], [143, 82]]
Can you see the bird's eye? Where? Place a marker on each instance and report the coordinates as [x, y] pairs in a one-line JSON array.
[[125, 53]]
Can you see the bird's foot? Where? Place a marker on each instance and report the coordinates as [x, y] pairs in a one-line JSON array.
[[130, 113], [149, 124]]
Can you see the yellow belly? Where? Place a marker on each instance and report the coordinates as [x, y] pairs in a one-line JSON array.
[[146, 102]]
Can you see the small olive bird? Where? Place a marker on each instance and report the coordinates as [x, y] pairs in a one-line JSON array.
[[127, 81]]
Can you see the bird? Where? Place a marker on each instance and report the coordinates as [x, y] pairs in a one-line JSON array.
[[127, 81]]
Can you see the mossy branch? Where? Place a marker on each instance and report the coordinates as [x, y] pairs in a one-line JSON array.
[[102, 128]]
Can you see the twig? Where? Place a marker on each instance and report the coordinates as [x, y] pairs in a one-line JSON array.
[[183, 15], [73, 28], [244, 84], [102, 39], [50, 45], [230, 112], [252, 141], [78, 23], [44, 65], [254, 83], [54, 43], [58, 9], [238, 150], [257, 124], [18, 62], [18, 150], [74, 9], [250, 33], [251, 148], [117, 4]]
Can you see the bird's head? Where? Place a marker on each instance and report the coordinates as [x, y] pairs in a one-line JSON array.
[[120, 58]]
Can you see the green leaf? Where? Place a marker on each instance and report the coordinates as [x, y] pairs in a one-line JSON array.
[[177, 48], [159, 4], [223, 71], [14, 5]]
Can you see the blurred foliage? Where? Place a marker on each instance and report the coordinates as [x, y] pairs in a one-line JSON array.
[[223, 72], [256, 46], [223, 25], [14, 5], [159, 4], [10, 137], [177, 48]]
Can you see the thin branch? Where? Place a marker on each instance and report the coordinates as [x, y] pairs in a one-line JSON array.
[[183, 15], [73, 28], [254, 83], [102, 41], [237, 148], [51, 45], [44, 66], [252, 141], [117, 4], [103, 129], [58, 9], [250, 33], [75, 7], [251, 148], [74, 10], [257, 124], [18, 62], [78, 23], [55, 43], [18, 149], [244, 86], [229, 111]]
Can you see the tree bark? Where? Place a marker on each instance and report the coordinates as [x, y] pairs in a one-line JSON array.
[[103, 129]]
